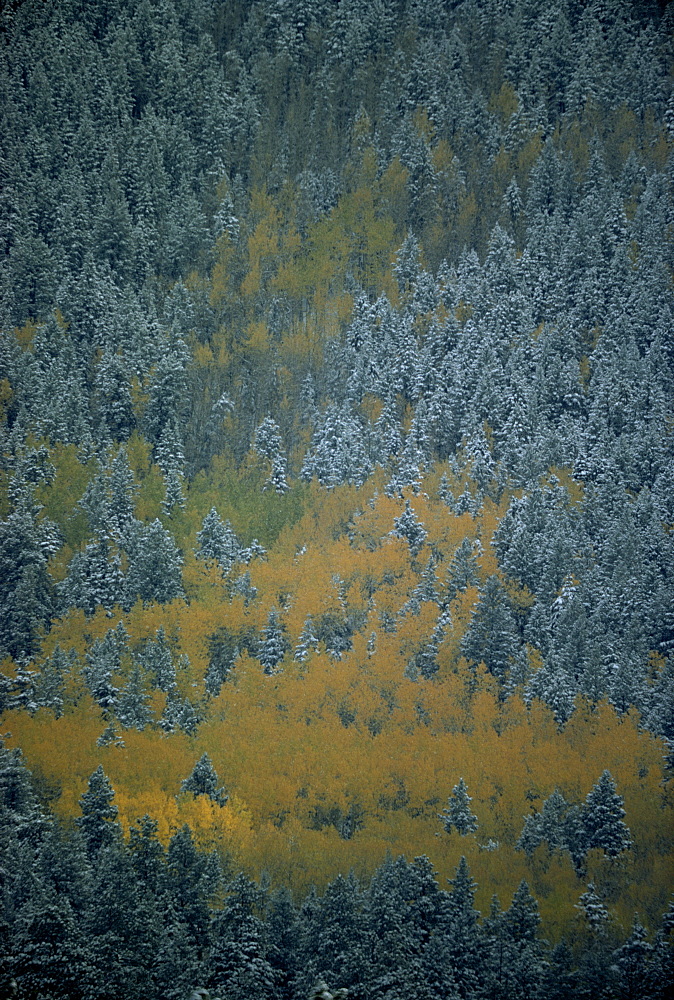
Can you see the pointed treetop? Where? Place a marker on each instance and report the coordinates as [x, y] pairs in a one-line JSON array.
[[204, 781], [458, 814], [98, 820]]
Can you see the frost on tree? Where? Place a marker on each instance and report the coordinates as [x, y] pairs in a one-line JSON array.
[[602, 818], [204, 781], [409, 527], [273, 647], [267, 444], [457, 815], [218, 541]]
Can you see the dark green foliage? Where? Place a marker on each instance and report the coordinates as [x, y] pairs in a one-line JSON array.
[[602, 818], [26, 589], [97, 824], [99, 916], [458, 814], [204, 781], [154, 565], [273, 644], [407, 526], [492, 635], [502, 171], [223, 651], [218, 541], [598, 822]]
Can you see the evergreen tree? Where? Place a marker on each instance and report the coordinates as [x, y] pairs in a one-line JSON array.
[[192, 880], [237, 960], [273, 646], [462, 570], [268, 445], [462, 946], [636, 977], [549, 825], [26, 590], [593, 910], [602, 818], [98, 825], [492, 633], [218, 541], [458, 814], [154, 565], [204, 781], [102, 661], [409, 527], [131, 707], [306, 641], [155, 656]]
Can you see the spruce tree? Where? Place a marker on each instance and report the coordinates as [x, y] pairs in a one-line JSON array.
[[204, 781], [273, 646], [98, 825], [458, 815], [602, 818]]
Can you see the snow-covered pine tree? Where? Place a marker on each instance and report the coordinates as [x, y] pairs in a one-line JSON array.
[[204, 781], [457, 814]]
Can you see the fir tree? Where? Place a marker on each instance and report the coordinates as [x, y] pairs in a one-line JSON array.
[[408, 526], [602, 818], [98, 825], [306, 641], [204, 781], [218, 541], [458, 814], [273, 647]]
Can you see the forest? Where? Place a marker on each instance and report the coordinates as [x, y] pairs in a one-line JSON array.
[[336, 499]]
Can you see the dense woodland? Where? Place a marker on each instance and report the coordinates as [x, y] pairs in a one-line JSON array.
[[336, 499]]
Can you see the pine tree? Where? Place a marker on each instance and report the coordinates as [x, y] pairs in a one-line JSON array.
[[204, 781], [462, 570], [237, 960], [602, 818], [26, 590], [492, 634], [593, 910], [306, 641], [192, 879], [635, 973], [409, 527], [98, 825], [273, 647], [462, 944], [458, 814], [49, 686], [268, 445], [94, 578], [218, 541], [102, 661], [154, 565], [131, 705], [155, 656], [549, 825]]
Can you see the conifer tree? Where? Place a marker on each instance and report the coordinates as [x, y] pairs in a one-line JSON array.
[[218, 541], [306, 641], [602, 818], [273, 647], [409, 527], [204, 781], [102, 661], [593, 910], [131, 707], [98, 825], [154, 564], [458, 814]]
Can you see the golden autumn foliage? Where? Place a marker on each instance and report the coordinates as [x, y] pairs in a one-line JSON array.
[[332, 761]]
